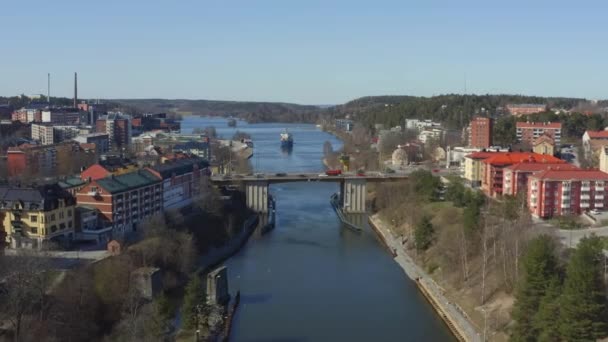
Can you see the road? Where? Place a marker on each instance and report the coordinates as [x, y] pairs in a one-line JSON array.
[[63, 260], [571, 238]]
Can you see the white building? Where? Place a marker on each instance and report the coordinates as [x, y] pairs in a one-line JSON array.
[[421, 125], [426, 135], [43, 133]]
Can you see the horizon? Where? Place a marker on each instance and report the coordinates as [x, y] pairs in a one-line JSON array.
[[305, 53], [92, 99]]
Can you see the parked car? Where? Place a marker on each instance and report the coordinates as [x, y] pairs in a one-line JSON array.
[[595, 212]]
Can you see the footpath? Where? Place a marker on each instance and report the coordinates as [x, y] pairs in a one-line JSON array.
[[456, 319]]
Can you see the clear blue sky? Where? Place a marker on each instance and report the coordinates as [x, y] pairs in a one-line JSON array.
[[311, 51]]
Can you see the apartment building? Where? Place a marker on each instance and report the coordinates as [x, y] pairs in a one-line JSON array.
[[61, 116], [32, 217], [43, 132], [525, 109], [100, 139], [528, 132], [118, 128], [561, 192], [516, 176], [123, 200], [480, 132], [181, 180]]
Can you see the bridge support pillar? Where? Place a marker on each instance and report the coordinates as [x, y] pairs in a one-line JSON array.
[[257, 196], [353, 193]]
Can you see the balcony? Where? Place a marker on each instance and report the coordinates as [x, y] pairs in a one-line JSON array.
[[585, 188], [599, 205], [599, 189], [584, 205], [565, 205], [599, 197], [585, 197]]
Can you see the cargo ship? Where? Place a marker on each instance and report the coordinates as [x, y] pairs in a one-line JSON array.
[[286, 140]]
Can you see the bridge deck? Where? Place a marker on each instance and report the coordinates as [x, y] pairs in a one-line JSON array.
[[306, 177]]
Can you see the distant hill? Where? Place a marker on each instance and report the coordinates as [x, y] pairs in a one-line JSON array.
[[455, 111], [250, 111]]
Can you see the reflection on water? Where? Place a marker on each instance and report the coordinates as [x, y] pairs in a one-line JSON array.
[[311, 279]]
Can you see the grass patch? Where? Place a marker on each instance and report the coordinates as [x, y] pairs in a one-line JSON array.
[[567, 222], [432, 267]]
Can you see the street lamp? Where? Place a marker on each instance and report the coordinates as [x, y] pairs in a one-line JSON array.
[[485, 319], [198, 313]]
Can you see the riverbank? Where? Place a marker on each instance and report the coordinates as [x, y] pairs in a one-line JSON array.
[[457, 321], [212, 259]]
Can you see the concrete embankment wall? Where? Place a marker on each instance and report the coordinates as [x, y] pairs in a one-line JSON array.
[[217, 255], [422, 281]]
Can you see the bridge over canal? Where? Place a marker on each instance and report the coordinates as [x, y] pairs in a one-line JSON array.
[[353, 187]]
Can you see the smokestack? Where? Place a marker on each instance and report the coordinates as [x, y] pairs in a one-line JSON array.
[[48, 88], [75, 90]]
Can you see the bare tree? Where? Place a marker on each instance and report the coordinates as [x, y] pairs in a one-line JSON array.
[[23, 295]]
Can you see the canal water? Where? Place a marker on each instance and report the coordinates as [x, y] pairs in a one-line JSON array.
[[311, 279]]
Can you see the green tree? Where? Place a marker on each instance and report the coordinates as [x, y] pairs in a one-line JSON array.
[[539, 265], [456, 192], [192, 298], [583, 300], [547, 318], [425, 185], [423, 233]]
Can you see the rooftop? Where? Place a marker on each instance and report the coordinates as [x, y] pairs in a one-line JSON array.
[[542, 139], [71, 182], [555, 125], [510, 158], [128, 181], [574, 175], [526, 105], [533, 167], [179, 167], [45, 197], [597, 134]]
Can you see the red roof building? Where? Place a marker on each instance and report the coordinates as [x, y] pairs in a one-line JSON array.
[[492, 168], [94, 172], [566, 192], [516, 176]]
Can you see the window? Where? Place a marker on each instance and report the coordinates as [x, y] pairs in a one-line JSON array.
[[69, 224], [61, 215], [69, 212], [33, 218], [53, 228], [34, 230], [62, 226], [52, 217]]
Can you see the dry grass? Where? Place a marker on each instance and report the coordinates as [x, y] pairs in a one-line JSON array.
[[443, 258]]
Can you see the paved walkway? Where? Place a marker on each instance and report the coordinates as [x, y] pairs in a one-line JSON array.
[[456, 315], [571, 238]]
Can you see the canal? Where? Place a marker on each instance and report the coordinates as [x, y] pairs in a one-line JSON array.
[[310, 279]]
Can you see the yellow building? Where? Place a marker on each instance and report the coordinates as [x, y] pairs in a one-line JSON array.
[[604, 159], [544, 145], [32, 216], [473, 167]]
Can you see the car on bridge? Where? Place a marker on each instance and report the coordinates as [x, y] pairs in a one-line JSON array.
[[281, 174]]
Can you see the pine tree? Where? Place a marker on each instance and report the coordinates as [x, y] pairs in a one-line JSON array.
[[539, 265], [423, 233], [547, 318], [583, 303], [192, 298]]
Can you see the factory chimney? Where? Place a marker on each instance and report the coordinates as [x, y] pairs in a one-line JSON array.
[[48, 88], [75, 90]]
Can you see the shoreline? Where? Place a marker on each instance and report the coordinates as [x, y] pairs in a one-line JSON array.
[[457, 323]]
